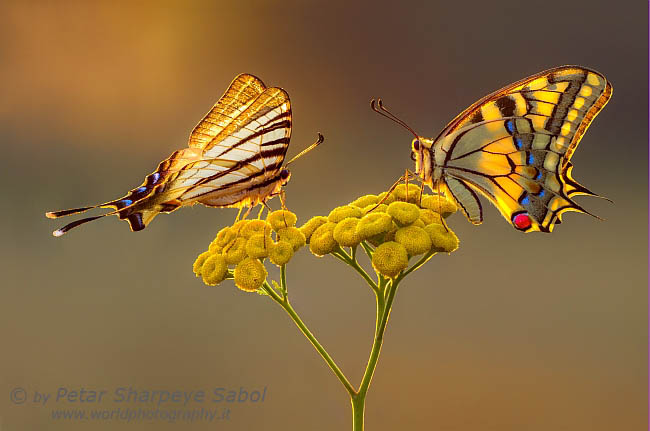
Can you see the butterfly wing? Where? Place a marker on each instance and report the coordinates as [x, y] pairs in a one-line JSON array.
[[236, 150], [241, 93], [244, 158], [514, 146]]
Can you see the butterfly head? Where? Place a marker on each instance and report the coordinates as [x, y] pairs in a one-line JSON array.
[[285, 176], [421, 155]]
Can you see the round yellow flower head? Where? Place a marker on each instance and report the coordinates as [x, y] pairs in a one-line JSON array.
[[255, 227], [429, 216], [403, 213], [381, 208], [373, 224], [441, 238], [364, 201], [314, 223], [250, 274], [235, 252], [390, 258], [225, 235], [339, 213], [214, 247], [214, 270], [237, 227], [198, 263], [390, 235], [322, 240], [414, 239], [345, 232], [281, 252], [400, 193], [293, 236], [281, 218], [418, 223], [258, 245], [439, 204], [389, 200]]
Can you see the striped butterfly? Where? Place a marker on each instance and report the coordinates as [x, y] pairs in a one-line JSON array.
[[514, 147], [234, 159]]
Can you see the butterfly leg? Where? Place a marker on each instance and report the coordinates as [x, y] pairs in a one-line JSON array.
[[444, 223], [259, 216], [390, 190], [238, 214], [248, 211]]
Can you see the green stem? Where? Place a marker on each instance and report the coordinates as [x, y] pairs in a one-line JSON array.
[[284, 303], [343, 256], [283, 282], [418, 264]]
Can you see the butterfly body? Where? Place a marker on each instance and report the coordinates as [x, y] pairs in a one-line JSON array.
[[514, 147], [234, 159]]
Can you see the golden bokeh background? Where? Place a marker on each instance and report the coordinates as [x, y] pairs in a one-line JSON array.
[[511, 332]]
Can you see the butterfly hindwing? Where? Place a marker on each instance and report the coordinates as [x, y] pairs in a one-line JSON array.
[[515, 145]]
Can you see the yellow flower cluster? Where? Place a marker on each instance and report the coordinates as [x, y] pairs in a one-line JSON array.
[[245, 245], [399, 225]]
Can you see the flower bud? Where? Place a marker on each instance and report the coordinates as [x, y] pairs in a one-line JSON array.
[[225, 235], [258, 246], [373, 224], [235, 252], [390, 258], [364, 201], [322, 240], [403, 213], [414, 191], [281, 252], [200, 260], [339, 213], [414, 239], [442, 239], [345, 232], [381, 197], [381, 208], [214, 270], [429, 216], [281, 218], [439, 204], [255, 227], [314, 223], [250, 274], [293, 236]]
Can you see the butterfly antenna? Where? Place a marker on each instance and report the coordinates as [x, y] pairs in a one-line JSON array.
[[319, 141], [382, 110]]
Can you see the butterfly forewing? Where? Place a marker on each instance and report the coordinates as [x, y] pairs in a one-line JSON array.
[[243, 90], [246, 156], [515, 145]]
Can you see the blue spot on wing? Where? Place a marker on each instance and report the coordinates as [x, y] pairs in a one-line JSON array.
[[510, 126], [539, 175], [525, 201], [542, 193], [155, 177], [140, 190], [518, 143], [126, 202], [531, 159]]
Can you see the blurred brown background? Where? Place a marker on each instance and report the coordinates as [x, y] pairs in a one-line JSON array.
[[511, 332]]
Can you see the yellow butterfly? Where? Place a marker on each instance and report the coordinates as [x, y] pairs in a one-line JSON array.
[[234, 159], [514, 147]]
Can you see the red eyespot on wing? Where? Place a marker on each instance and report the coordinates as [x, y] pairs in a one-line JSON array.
[[522, 221]]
